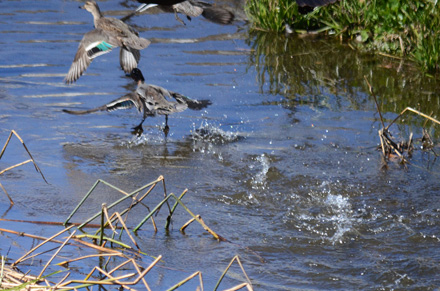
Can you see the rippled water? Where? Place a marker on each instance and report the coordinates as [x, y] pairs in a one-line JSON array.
[[283, 163]]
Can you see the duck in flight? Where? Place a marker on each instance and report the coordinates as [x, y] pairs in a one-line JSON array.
[[108, 33], [149, 100], [189, 8]]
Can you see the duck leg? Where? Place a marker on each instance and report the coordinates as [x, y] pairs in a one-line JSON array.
[[177, 16], [167, 128], [138, 130]]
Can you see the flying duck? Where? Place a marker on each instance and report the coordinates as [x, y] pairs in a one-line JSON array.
[[190, 8], [108, 34]]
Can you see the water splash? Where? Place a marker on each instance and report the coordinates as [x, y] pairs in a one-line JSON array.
[[340, 211], [259, 180], [209, 138], [145, 138], [213, 134]]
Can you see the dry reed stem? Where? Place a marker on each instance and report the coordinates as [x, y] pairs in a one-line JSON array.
[[39, 254], [199, 220], [126, 229], [87, 257], [36, 247], [385, 140], [19, 164], [111, 277], [92, 236], [370, 88], [235, 258], [90, 283], [414, 111], [139, 272], [61, 281], [130, 195], [6, 192], [2, 270], [240, 286], [109, 222], [90, 225], [99, 248], [186, 280], [15, 166], [25, 147], [182, 229]]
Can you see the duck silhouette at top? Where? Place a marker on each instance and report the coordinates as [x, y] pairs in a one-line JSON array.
[[149, 100], [108, 33], [189, 8]]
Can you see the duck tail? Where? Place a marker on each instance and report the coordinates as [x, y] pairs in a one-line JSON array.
[[197, 104], [192, 104]]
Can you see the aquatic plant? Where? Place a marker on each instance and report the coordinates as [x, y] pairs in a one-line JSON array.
[[401, 28], [121, 266]]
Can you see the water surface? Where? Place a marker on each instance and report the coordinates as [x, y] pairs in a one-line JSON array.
[[284, 163]]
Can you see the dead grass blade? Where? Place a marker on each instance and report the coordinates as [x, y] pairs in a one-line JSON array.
[[199, 220], [387, 144], [235, 258], [13, 132], [130, 195], [187, 279], [25, 147], [22, 258], [56, 253]]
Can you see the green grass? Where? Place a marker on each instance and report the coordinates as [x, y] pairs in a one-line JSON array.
[[402, 28]]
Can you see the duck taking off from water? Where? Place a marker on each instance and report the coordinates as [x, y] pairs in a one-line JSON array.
[[150, 100], [190, 8], [108, 34]]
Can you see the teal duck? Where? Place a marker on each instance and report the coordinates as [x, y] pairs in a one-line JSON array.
[[150, 100], [190, 8], [108, 34]]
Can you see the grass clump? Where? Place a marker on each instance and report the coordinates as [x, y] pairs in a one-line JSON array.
[[397, 27]]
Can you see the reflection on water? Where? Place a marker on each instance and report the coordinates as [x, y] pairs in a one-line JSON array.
[[312, 71]]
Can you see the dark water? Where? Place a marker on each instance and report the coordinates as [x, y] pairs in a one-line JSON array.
[[283, 163]]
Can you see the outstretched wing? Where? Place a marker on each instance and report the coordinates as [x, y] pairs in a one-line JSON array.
[[93, 44], [125, 102]]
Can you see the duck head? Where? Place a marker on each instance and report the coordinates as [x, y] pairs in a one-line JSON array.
[[92, 7], [137, 76]]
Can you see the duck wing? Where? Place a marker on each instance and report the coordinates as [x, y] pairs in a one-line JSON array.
[[125, 102], [129, 58], [187, 8], [93, 44], [126, 34]]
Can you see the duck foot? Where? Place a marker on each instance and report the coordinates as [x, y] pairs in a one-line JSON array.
[[166, 130], [138, 130]]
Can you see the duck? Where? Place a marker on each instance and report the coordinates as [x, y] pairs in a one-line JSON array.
[[149, 100], [190, 8], [108, 34]]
